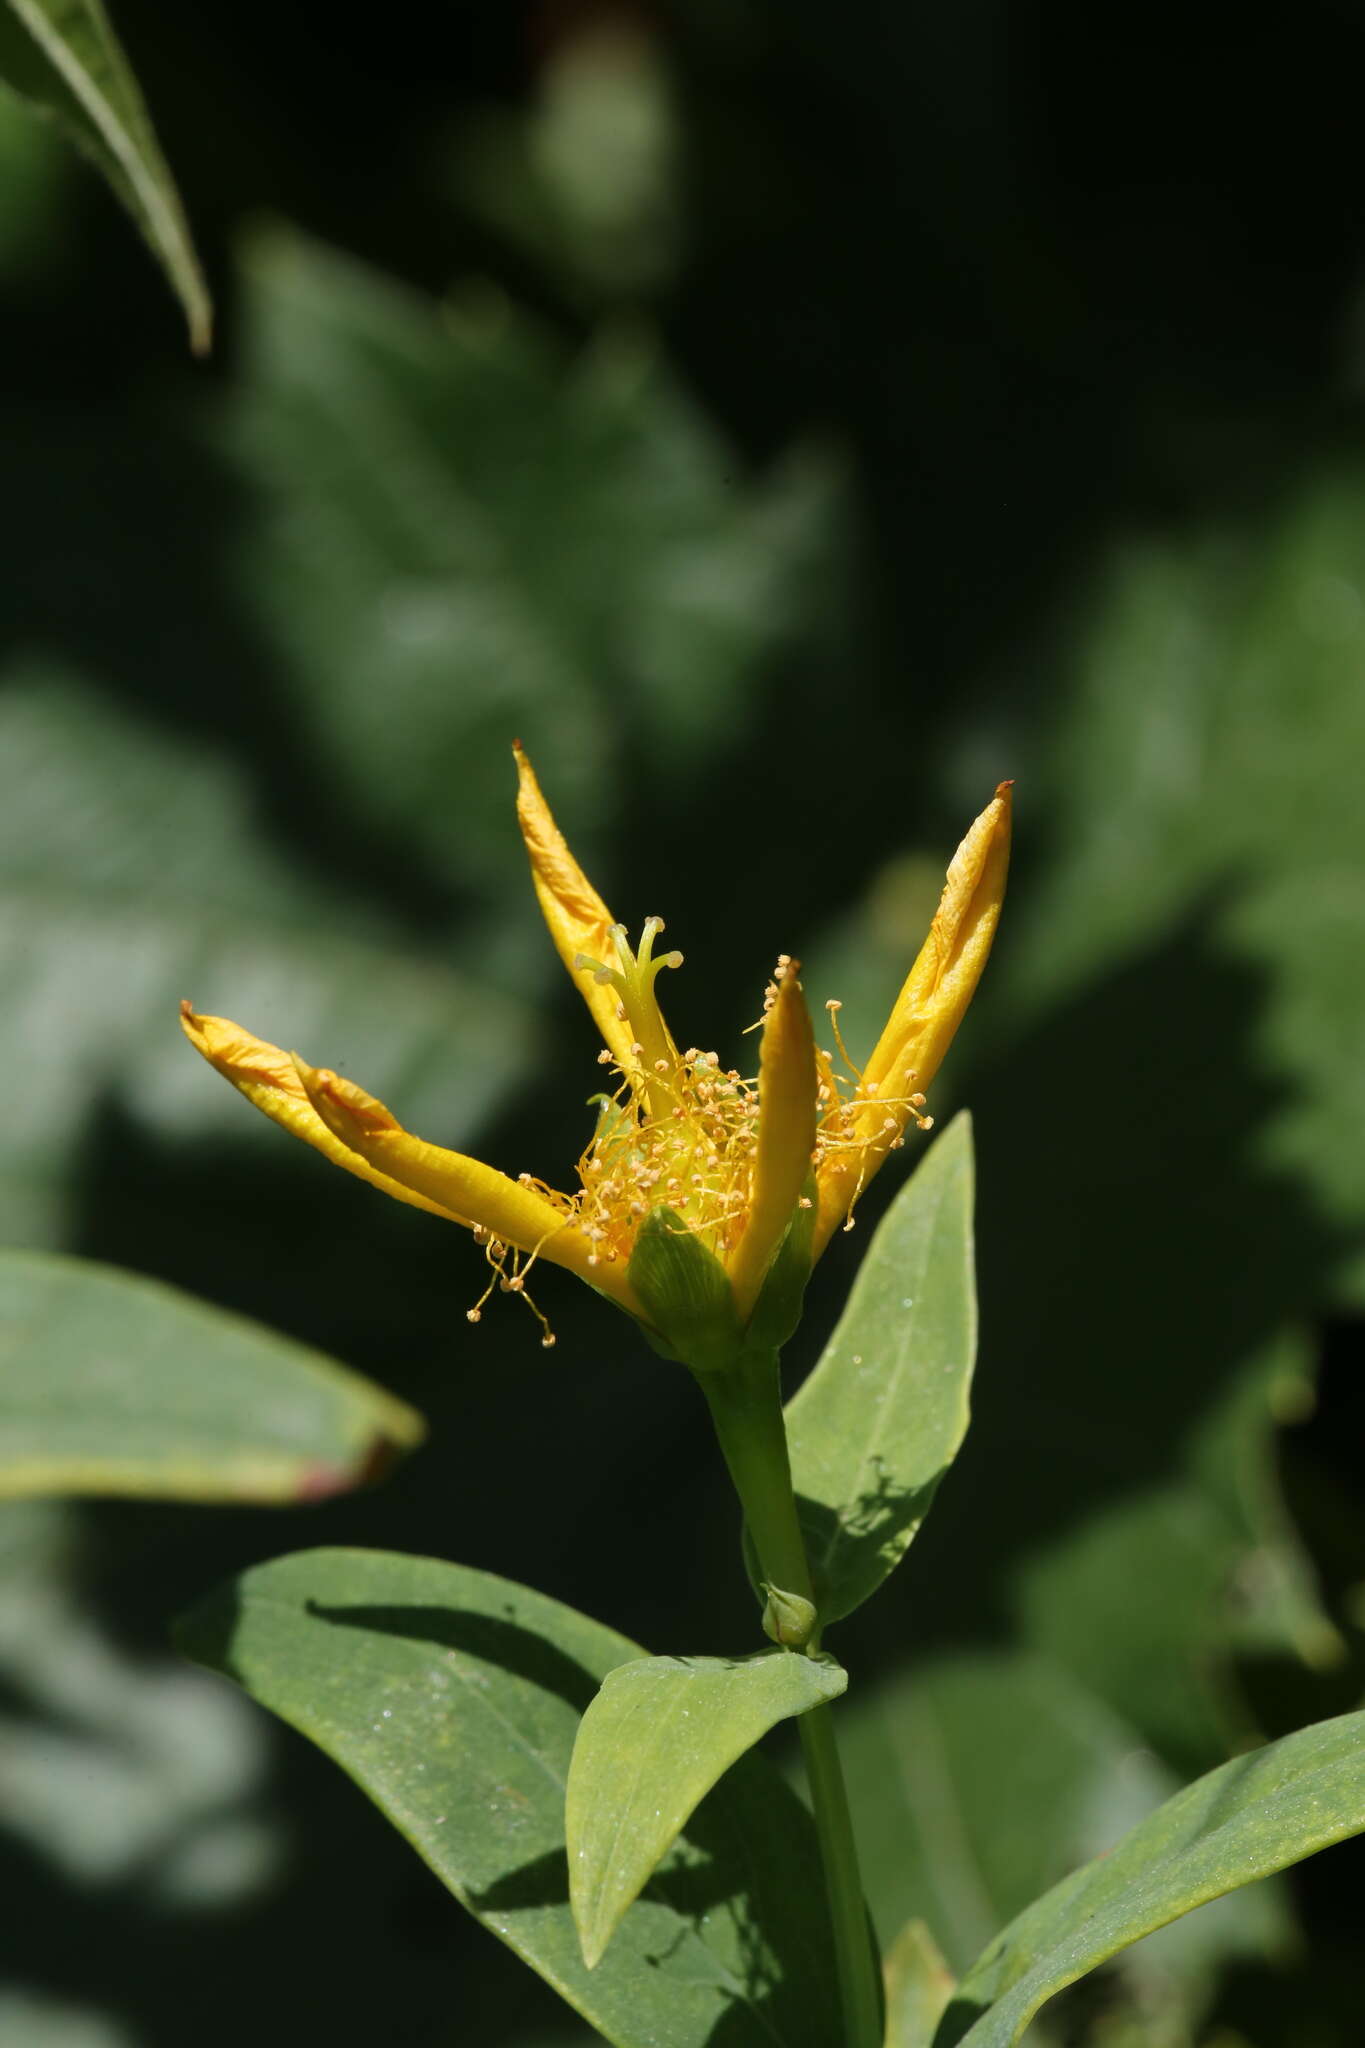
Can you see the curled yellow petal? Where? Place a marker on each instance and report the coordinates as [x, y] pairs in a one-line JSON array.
[[927, 1012], [579, 921], [943, 979], [786, 1137], [267, 1077], [459, 1186]]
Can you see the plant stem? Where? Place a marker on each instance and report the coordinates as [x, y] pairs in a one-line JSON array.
[[860, 1992], [746, 1407]]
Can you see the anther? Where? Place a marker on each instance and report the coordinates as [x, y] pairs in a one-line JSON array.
[[834, 1006]]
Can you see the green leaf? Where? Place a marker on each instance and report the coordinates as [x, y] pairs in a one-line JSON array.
[[63, 55], [881, 1418], [1253, 1816], [1211, 1566], [919, 1985], [135, 864], [121, 1773], [453, 1698], [978, 1781], [115, 1384], [520, 541], [1236, 652], [661, 1732]]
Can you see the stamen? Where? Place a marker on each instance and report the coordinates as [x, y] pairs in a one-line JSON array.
[[834, 1006]]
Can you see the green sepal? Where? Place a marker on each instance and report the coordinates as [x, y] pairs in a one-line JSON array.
[[782, 1295], [685, 1292]]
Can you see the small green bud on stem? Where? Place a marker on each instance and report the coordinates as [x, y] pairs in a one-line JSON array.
[[788, 1619]]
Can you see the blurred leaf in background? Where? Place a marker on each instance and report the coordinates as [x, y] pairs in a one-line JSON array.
[[530, 448]]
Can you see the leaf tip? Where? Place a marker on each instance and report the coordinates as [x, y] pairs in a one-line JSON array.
[[593, 1920], [200, 323]]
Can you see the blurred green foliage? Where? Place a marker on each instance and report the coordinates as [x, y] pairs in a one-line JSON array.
[[788, 434]]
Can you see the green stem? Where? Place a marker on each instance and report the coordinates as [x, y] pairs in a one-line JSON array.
[[860, 1992], [746, 1407]]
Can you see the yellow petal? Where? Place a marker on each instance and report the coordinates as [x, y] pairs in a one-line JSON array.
[[460, 1186], [928, 1010], [579, 921], [267, 1077], [786, 1137]]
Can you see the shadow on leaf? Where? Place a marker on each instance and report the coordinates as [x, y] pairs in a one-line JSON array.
[[513, 1649]]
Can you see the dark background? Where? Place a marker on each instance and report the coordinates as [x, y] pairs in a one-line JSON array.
[[789, 424]]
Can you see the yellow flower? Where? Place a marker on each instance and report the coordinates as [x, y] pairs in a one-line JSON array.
[[709, 1156]]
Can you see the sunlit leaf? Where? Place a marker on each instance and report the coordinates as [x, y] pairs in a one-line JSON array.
[[133, 872], [918, 1987], [1251, 1817], [658, 1736], [115, 1384], [880, 1419], [64, 56], [1206, 756], [516, 540], [453, 1699], [977, 1781]]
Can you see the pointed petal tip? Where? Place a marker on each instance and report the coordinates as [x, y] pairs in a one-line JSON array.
[[787, 1123], [1002, 789]]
